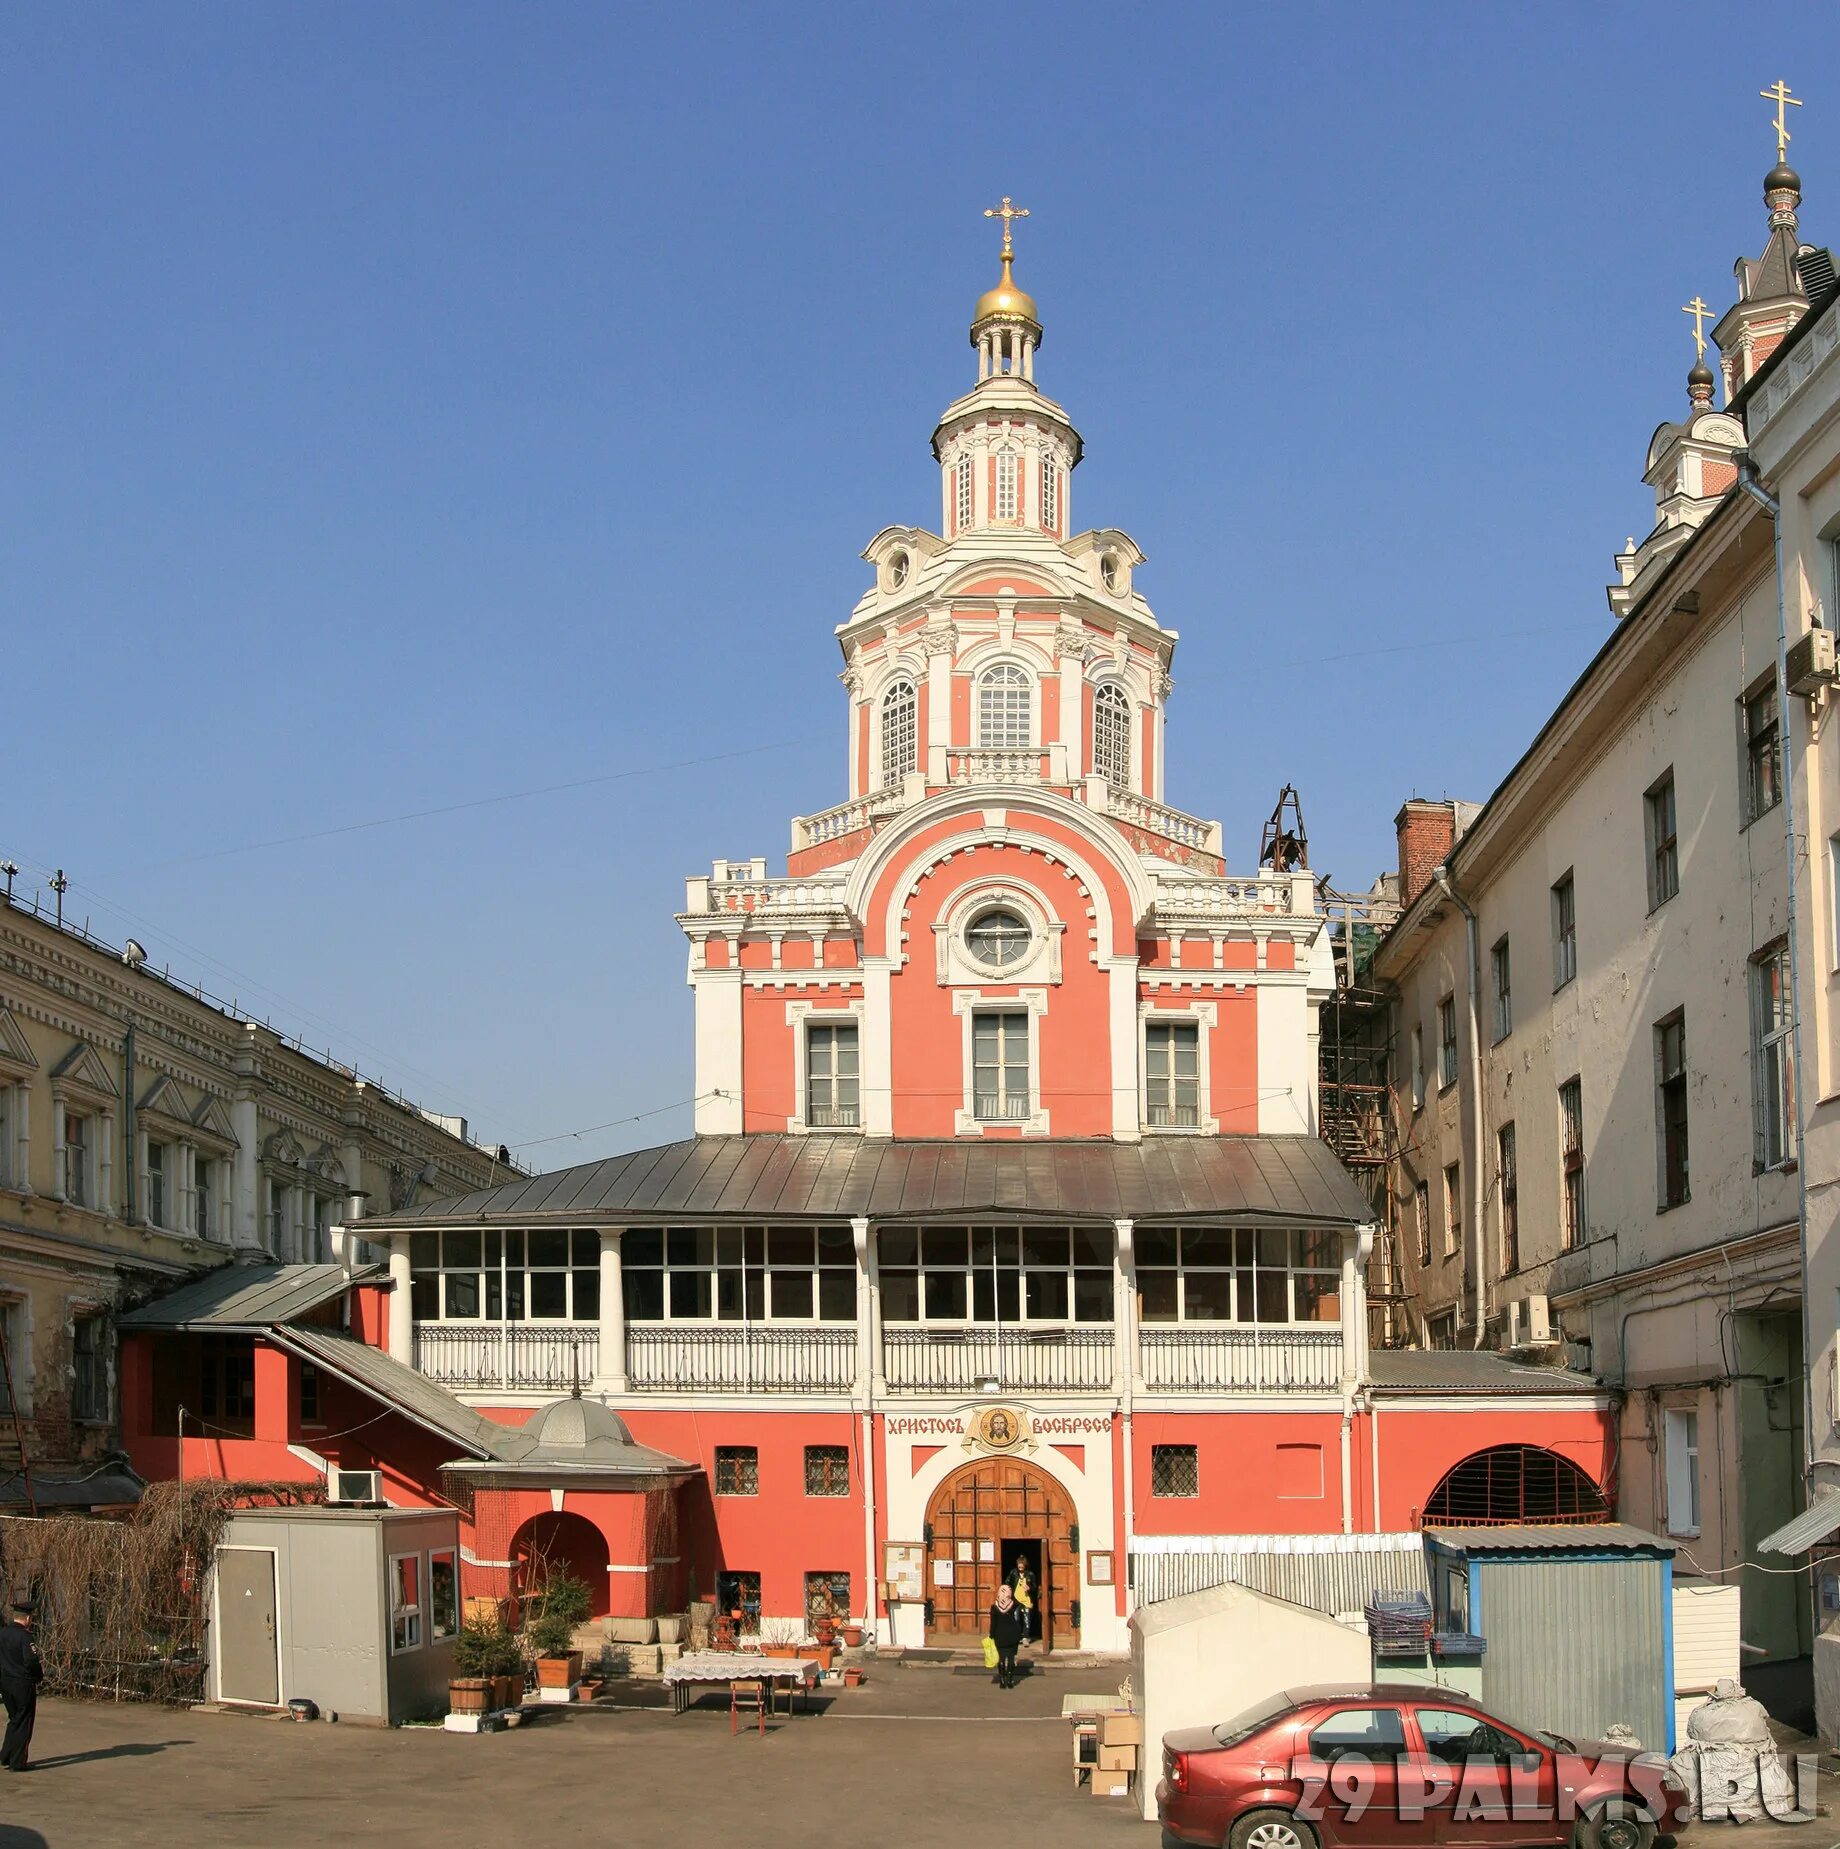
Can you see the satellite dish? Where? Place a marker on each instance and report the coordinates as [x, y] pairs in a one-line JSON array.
[[135, 954]]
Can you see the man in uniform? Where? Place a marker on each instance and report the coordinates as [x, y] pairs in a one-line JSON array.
[[20, 1675]]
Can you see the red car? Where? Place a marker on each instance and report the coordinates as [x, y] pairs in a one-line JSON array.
[[1388, 1765]]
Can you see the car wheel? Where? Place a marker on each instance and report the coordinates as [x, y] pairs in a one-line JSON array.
[[1273, 1829], [1617, 1824]]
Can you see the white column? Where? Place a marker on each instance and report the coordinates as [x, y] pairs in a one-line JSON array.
[[718, 1047], [877, 1048], [402, 1303], [60, 1185], [938, 714], [613, 1312], [245, 1228], [1028, 359], [105, 1164], [865, 1311]]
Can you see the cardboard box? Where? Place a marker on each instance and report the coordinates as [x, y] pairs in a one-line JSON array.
[[1121, 1729], [1117, 1759], [1111, 1784]]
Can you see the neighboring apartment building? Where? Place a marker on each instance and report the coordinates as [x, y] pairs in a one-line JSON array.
[[146, 1134], [1595, 1092]]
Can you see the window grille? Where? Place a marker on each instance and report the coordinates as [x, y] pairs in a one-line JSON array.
[[900, 732], [827, 1470], [1112, 736], [1175, 1470], [737, 1470], [1004, 708]]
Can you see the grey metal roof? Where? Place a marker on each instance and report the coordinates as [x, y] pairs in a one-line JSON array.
[[108, 1485], [245, 1296], [1812, 1526], [413, 1394], [572, 1436], [1551, 1538], [771, 1176], [1470, 1370]]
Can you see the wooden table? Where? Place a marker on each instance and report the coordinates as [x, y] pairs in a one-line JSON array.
[[725, 1666]]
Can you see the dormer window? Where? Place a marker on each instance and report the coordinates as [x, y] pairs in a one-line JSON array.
[[1004, 702], [964, 492], [897, 571], [1050, 494], [1108, 571], [1008, 467]]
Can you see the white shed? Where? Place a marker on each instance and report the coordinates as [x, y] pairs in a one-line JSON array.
[[1203, 1658]]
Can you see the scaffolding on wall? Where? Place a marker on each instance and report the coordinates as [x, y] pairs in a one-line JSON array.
[[1355, 1056]]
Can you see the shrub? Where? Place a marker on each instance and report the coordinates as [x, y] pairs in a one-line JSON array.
[[555, 1608], [484, 1647]]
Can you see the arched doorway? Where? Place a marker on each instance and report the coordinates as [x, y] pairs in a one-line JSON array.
[[979, 1518], [1514, 1483], [560, 1539]]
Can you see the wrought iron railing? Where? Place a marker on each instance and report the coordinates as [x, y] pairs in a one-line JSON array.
[[526, 1355], [1240, 1359], [781, 1358], [973, 1358]]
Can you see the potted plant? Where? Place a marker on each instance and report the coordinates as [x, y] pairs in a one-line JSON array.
[[490, 1666], [780, 1636], [556, 1607], [852, 1636]]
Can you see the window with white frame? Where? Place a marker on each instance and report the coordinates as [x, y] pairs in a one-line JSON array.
[[1453, 1208], [543, 1274], [1682, 1445], [1571, 1163], [1565, 931], [278, 1218], [1111, 751], [965, 484], [1447, 1042], [1418, 1068], [1762, 729], [900, 732], [1172, 1074], [739, 1274], [1000, 1065], [157, 1179], [79, 1159], [89, 1368], [1663, 837], [1002, 1274], [1772, 1070], [405, 1602], [1504, 992], [1005, 707], [201, 1199], [998, 938], [1050, 492], [1219, 1274], [443, 1592], [832, 1084], [1009, 467]]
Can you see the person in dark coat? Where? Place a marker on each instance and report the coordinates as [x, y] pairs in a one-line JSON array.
[[20, 1674], [1008, 1625]]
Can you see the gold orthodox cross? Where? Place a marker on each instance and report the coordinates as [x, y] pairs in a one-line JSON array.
[[1699, 311], [1007, 213], [1778, 93]]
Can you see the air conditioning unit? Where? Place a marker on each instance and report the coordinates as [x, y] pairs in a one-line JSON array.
[[360, 1487], [1811, 662], [1514, 1336], [1539, 1319]]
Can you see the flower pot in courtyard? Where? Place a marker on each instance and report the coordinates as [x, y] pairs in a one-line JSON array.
[[471, 1694], [559, 1671]]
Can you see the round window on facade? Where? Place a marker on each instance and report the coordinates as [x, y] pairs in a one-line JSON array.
[[897, 571], [999, 938], [1108, 571]]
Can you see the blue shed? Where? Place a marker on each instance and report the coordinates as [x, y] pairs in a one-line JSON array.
[[1577, 1620]]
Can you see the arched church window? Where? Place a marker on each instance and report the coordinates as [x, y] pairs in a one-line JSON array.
[[1112, 736], [1050, 493], [964, 492], [1008, 467], [998, 938], [1004, 701], [900, 732]]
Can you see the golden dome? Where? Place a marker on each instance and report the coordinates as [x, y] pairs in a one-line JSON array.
[[1006, 301]]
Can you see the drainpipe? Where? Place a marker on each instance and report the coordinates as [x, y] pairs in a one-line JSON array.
[[1125, 1319], [1442, 875], [865, 1389], [1747, 480]]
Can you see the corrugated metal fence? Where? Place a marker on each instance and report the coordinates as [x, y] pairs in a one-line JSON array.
[[1328, 1573]]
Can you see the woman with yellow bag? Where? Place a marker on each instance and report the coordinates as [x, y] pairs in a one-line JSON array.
[[1008, 1623]]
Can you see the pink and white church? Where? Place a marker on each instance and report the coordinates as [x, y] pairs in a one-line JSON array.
[[1005, 1227]]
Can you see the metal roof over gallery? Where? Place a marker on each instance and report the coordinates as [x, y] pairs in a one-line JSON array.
[[1242, 1180]]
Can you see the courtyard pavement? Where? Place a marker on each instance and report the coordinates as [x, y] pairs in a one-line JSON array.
[[916, 1756]]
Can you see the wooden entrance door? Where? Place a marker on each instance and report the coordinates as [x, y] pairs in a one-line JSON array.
[[972, 1514]]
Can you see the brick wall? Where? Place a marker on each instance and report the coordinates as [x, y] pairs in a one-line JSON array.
[[1427, 831]]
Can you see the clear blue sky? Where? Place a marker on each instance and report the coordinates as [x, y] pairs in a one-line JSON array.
[[407, 404]]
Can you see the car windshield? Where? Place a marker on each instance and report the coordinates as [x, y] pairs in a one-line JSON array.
[[1244, 1726], [1557, 1741]]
